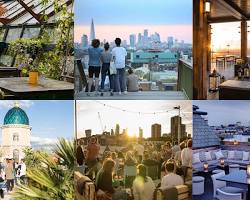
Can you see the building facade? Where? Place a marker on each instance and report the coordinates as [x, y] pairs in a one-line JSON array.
[[16, 133]]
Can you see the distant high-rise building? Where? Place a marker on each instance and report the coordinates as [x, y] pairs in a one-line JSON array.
[[112, 132], [88, 132], [145, 37], [170, 42], [84, 41], [132, 39], [175, 121], [157, 37], [117, 129], [140, 132], [145, 33], [139, 40], [92, 31], [156, 131]]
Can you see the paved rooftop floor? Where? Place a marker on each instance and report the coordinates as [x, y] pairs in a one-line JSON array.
[[149, 95]]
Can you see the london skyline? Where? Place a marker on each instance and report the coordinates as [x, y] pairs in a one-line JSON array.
[[87, 115], [116, 19]]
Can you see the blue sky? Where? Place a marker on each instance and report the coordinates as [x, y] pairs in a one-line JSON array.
[[132, 12], [49, 119], [225, 112]]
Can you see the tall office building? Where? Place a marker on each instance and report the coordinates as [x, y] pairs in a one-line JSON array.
[[175, 121], [156, 131], [139, 40], [132, 39], [170, 42], [117, 129], [145, 37], [92, 31], [84, 42], [145, 33]]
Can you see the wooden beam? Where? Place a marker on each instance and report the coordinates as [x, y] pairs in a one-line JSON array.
[[5, 21], [200, 50], [222, 19], [233, 8], [243, 33], [28, 9]]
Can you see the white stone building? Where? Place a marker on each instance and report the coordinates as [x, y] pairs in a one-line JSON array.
[[15, 133]]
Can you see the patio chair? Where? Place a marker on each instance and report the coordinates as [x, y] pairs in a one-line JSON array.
[[225, 196], [221, 186], [129, 175]]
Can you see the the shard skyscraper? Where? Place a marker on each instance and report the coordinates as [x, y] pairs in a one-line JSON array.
[[92, 31]]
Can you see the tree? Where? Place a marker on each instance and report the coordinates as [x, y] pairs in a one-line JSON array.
[[49, 178]]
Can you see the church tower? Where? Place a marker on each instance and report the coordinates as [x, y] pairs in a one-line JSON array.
[[15, 133]]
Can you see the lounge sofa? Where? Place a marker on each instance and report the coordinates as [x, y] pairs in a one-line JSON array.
[[212, 157]]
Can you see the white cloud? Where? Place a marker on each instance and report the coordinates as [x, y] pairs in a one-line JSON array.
[[22, 103], [42, 141]]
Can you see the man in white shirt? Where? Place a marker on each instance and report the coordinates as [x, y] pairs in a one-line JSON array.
[[119, 56], [171, 179], [186, 155]]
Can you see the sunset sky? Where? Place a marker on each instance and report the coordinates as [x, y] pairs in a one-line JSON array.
[[87, 115], [121, 18]]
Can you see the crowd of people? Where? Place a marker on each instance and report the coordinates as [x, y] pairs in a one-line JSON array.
[[12, 173], [111, 170], [110, 63]]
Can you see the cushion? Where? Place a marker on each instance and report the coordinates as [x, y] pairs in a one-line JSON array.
[[196, 158], [198, 179], [202, 156], [219, 155], [245, 156], [225, 153], [208, 156], [231, 155], [213, 155], [238, 155]]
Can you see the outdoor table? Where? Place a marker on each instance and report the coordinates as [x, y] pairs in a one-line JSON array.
[[45, 89], [9, 72], [239, 177], [234, 89]]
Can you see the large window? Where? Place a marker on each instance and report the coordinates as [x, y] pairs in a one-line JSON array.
[[31, 32], [225, 47], [13, 34]]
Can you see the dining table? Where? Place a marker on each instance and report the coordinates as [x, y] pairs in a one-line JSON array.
[[46, 88]]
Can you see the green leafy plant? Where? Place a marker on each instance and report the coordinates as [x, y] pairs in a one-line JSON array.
[[30, 53], [49, 178]]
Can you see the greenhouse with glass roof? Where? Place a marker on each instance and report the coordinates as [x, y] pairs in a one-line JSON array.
[[36, 49]]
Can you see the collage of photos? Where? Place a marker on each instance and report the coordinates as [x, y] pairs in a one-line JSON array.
[[124, 100]]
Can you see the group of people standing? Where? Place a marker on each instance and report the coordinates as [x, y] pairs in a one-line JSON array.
[[112, 64], [12, 173], [174, 165]]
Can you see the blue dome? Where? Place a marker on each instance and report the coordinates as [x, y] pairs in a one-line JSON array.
[[16, 115]]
